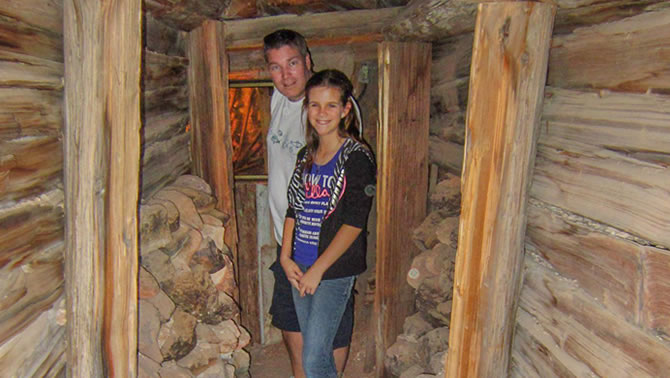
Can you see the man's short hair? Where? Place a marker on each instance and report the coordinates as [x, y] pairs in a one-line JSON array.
[[284, 37]]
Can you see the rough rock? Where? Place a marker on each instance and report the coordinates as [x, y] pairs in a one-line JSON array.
[[147, 338], [172, 370], [176, 338], [187, 211], [153, 227], [148, 287], [194, 182], [146, 367], [401, 356], [415, 326]]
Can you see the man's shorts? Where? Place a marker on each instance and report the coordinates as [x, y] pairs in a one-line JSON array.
[[283, 309]]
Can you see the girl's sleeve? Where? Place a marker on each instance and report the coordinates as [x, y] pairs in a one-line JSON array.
[[360, 189]]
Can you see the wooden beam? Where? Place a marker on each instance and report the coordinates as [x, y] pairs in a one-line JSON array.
[[509, 63], [346, 24], [402, 182], [211, 142], [102, 153], [245, 196]]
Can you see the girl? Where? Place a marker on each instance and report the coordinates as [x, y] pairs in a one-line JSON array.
[[330, 196]]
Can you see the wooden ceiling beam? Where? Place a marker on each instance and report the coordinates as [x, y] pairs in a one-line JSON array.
[[249, 33]]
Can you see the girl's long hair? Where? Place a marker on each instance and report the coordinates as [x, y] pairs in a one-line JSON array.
[[348, 126]]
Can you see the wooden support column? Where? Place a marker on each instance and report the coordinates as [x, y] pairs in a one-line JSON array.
[[245, 197], [210, 117], [509, 65], [102, 48], [402, 181]]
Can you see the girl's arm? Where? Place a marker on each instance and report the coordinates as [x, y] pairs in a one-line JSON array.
[[293, 272], [343, 239]]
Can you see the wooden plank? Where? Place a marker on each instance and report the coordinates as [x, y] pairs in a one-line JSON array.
[[30, 112], [433, 20], [249, 33], [37, 284], [655, 299], [211, 142], [610, 187], [161, 70], [25, 71], [245, 204], [341, 57], [536, 354], [606, 266], [631, 123], [581, 335], [102, 153], [627, 55], [30, 166], [20, 357], [404, 98], [509, 63], [29, 225]]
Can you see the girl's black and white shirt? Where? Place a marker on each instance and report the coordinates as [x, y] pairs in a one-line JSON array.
[[350, 202]]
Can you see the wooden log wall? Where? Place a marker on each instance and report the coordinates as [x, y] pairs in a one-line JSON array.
[[598, 216], [166, 139], [31, 189], [595, 295]]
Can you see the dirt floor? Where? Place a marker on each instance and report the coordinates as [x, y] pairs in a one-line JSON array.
[[271, 361]]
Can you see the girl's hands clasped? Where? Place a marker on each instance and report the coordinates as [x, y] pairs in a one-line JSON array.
[[309, 282], [293, 272]]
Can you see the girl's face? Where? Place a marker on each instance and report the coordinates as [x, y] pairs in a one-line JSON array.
[[325, 110]]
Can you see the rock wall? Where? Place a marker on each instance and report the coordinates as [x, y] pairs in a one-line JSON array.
[[189, 316], [420, 351]]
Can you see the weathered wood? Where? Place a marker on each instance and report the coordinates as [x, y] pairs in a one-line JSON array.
[[102, 153], [29, 112], [249, 33], [578, 335], [629, 123], [29, 166], [605, 266], [161, 38], [432, 20], [605, 157], [20, 36], [29, 225], [245, 200], [165, 99], [510, 53], [655, 298], [404, 80], [185, 14], [31, 290], [447, 155], [340, 57], [159, 70], [627, 55], [21, 357], [211, 143], [163, 161], [24, 71]]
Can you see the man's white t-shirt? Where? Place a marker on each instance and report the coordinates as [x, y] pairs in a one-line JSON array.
[[286, 136]]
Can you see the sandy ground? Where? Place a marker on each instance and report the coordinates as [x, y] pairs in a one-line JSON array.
[[271, 361]]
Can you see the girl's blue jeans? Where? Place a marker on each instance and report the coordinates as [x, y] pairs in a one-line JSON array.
[[319, 316]]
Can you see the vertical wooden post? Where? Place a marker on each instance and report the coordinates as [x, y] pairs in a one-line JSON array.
[[245, 196], [402, 181], [509, 66], [210, 117], [102, 156]]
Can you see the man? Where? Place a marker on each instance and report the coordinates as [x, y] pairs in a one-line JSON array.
[[290, 65]]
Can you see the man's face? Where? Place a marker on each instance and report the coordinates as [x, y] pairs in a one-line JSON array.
[[289, 71]]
